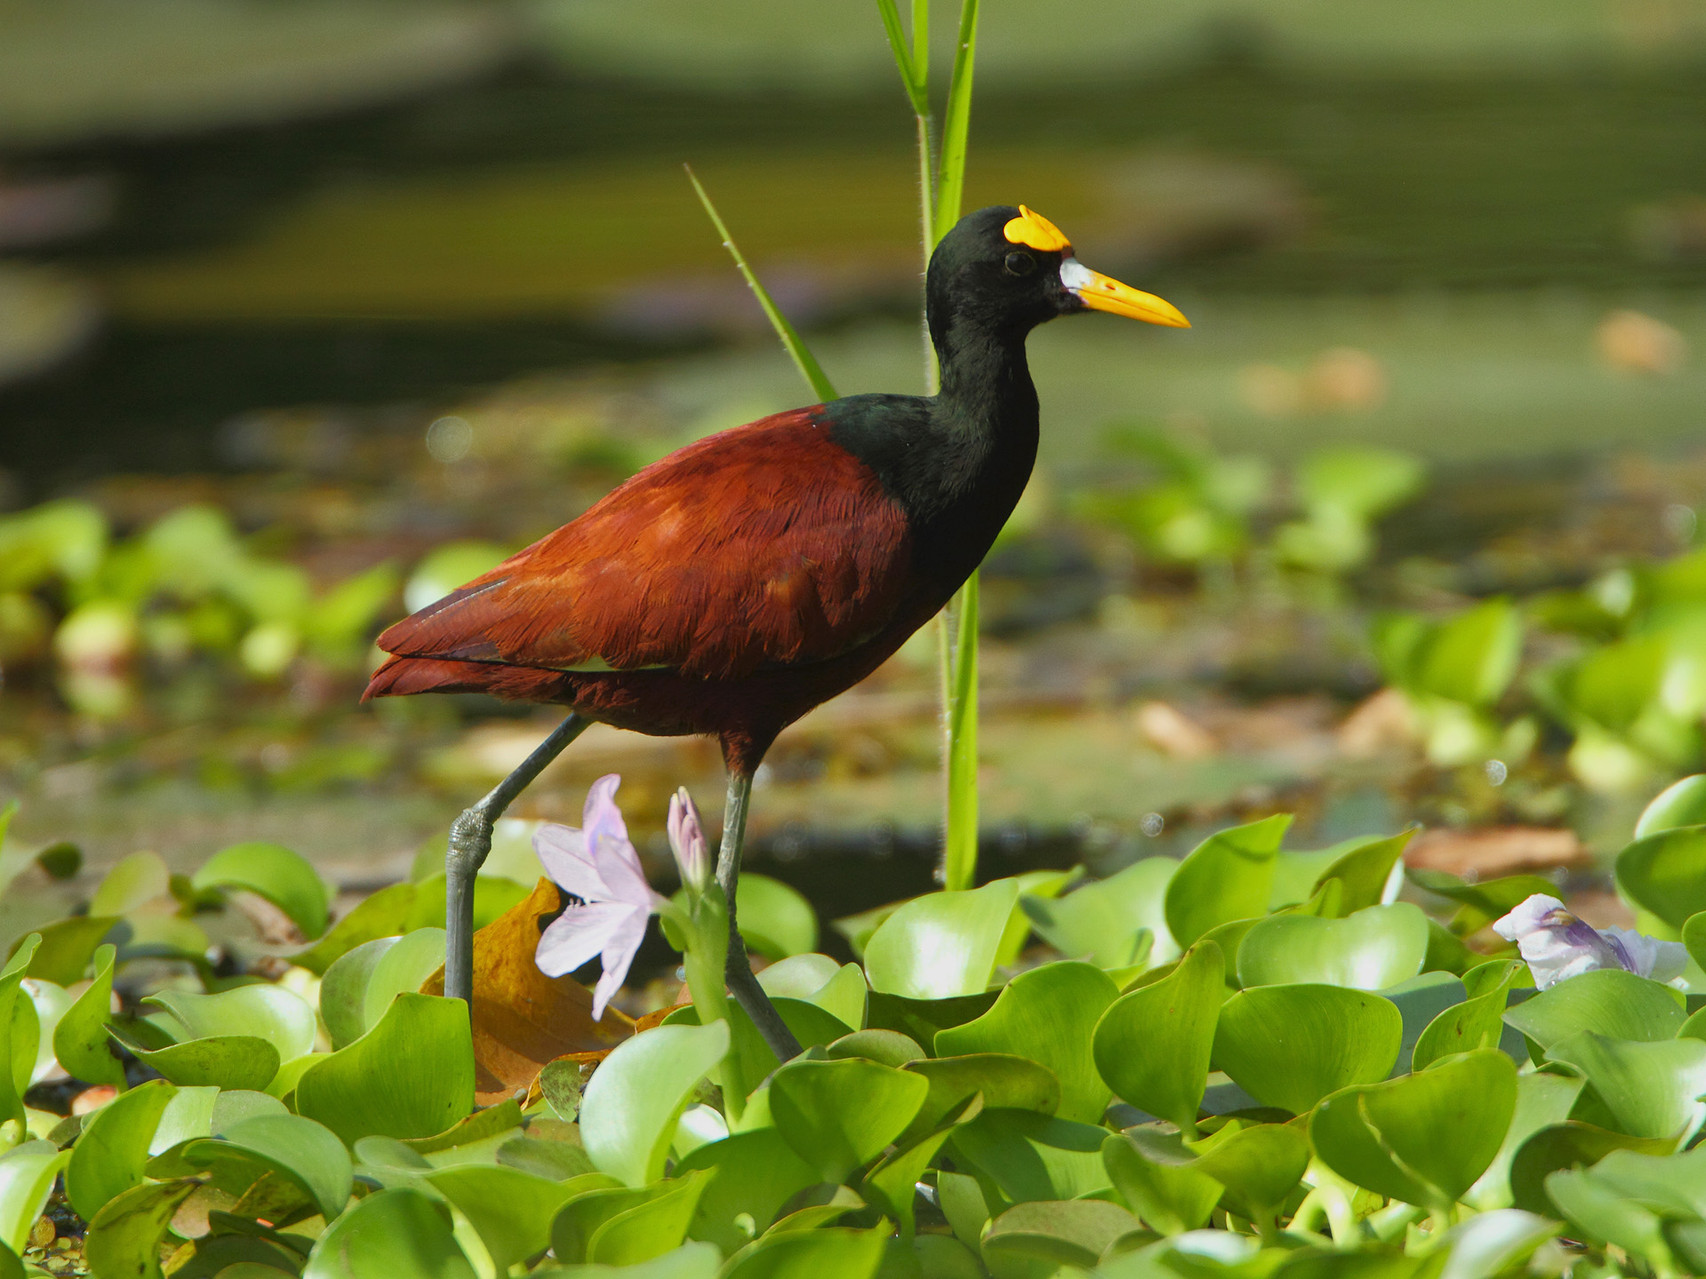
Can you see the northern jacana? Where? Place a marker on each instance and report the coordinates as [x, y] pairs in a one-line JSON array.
[[739, 582]]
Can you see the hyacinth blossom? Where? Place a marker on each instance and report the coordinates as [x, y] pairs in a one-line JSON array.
[[599, 865], [1556, 944]]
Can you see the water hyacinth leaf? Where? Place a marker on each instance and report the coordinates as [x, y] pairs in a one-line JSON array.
[[588, 1210], [836, 1252], [384, 914], [1470, 658], [1152, 1046], [1226, 877], [1365, 869], [1484, 901], [219, 1061], [1665, 873], [629, 1112], [1681, 803], [1105, 921], [775, 919], [1066, 1233], [838, 989], [1006, 1082], [125, 1236], [650, 1229], [1049, 1015], [391, 1232], [1477, 1022], [1653, 1089], [1600, 1213], [272, 1013], [405, 966], [412, 1075], [1377, 947], [67, 947], [840, 1115], [510, 1210], [343, 990], [1289, 1046], [188, 1114], [27, 1174], [893, 1184], [889, 1047], [296, 1148], [941, 945], [1607, 1001], [1259, 1164], [285, 878], [80, 1040], [19, 1031], [1571, 1144], [113, 1147], [1030, 1156], [1159, 1180], [752, 1175], [1542, 1099], [133, 881], [1496, 1243], [1423, 1138], [922, 1019], [48, 1003]]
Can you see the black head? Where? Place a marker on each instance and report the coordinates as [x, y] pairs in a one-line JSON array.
[[1006, 270]]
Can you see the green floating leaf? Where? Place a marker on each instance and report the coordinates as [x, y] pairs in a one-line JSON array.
[[27, 1174], [391, 1232], [1289, 1046], [838, 989], [1228, 876], [840, 1115], [1030, 1156], [1365, 869], [1423, 1138], [1152, 1046], [889, 1047], [19, 1032], [651, 1229], [1601, 1214], [635, 1097], [1159, 1180], [219, 1061], [1373, 949], [1571, 1144], [1006, 1082], [752, 1175], [272, 1013], [412, 1075], [401, 968], [113, 1147], [80, 1040], [920, 1020], [1477, 1022], [1107, 921], [1065, 1233], [285, 878], [941, 945], [1665, 873], [1607, 1001], [833, 1253], [1470, 658], [1495, 1243], [1653, 1089], [383, 914], [1259, 1164], [893, 1184], [295, 1148], [1542, 1099], [67, 947], [125, 1236], [1048, 1015], [132, 882], [589, 1210], [1681, 803], [510, 1210], [775, 920]]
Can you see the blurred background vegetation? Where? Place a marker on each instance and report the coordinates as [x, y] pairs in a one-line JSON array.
[[309, 310]]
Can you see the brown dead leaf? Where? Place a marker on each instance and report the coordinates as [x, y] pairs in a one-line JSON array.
[[1381, 723], [1495, 851], [1170, 731], [522, 1018]]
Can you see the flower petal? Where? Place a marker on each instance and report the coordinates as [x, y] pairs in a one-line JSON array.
[[1554, 943], [562, 851], [1661, 960], [687, 840], [580, 934], [601, 819], [619, 951]]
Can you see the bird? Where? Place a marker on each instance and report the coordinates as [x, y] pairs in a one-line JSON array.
[[744, 579]]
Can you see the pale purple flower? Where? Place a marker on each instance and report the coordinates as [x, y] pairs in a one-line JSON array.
[[687, 842], [597, 864], [1556, 944]]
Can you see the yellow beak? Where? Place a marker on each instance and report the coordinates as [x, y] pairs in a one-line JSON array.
[[1104, 293]]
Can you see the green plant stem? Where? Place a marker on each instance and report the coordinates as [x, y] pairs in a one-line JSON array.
[[960, 850], [705, 959]]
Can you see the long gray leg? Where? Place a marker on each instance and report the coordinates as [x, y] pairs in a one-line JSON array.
[[470, 841], [742, 982]]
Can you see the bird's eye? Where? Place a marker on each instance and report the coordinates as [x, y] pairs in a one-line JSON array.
[[1020, 264]]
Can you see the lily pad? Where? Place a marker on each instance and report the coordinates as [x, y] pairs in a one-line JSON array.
[[1152, 1046], [1048, 1015], [1228, 876], [630, 1108], [1289, 1046], [941, 945], [1372, 949], [285, 878]]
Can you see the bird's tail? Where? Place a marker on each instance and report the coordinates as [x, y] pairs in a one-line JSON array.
[[401, 675]]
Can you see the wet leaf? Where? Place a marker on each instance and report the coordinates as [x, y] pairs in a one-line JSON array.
[[630, 1108], [391, 1232], [285, 878], [1607, 1001], [1048, 1015], [27, 1174], [272, 1013], [1373, 949], [1105, 921], [510, 1210], [113, 1147], [305, 1152], [125, 1236], [220, 1061], [412, 1075], [1228, 876], [522, 1018], [840, 1115], [1423, 1138], [941, 945], [1653, 1089], [1665, 873], [1289, 1046], [80, 1041], [1152, 1046]]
